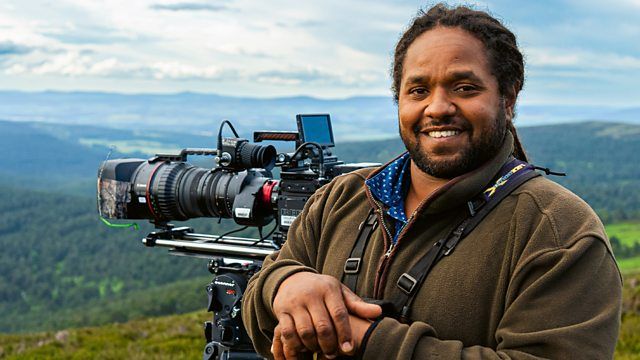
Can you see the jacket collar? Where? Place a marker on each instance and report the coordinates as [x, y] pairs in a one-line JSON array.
[[459, 190]]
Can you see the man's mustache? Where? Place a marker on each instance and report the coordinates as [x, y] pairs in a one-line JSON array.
[[457, 122]]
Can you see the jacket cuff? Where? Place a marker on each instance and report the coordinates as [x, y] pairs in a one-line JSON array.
[[365, 339], [388, 334], [274, 279]]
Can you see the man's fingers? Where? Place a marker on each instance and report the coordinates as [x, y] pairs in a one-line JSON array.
[[340, 317], [357, 306], [325, 330], [289, 334], [306, 331], [289, 353], [277, 346], [279, 349]]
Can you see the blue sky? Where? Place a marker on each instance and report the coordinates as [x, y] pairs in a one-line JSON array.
[[583, 52]]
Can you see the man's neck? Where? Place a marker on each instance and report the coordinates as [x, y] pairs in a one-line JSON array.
[[422, 185]]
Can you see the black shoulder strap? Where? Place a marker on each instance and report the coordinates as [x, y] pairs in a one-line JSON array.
[[513, 174], [352, 265]]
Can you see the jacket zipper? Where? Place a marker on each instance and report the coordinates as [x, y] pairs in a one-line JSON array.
[[381, 273], [386, 236], [381, 276]]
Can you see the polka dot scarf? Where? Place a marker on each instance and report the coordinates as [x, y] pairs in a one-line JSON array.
[[390, 186]]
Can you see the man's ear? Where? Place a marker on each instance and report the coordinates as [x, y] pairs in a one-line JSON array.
[[510, 97]]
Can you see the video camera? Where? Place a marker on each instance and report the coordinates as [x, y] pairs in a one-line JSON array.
[[166, 187]]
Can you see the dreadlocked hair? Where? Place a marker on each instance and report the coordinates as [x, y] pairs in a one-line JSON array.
[[505, 59]]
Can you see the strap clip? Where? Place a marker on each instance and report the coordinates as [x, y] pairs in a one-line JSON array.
[[352, 266], [407, 283]]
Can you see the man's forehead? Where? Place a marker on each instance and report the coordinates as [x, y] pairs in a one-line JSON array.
[[442, 37], [451, 51]]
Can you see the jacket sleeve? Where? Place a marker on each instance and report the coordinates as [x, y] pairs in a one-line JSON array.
[[562, 304], [297, 254]]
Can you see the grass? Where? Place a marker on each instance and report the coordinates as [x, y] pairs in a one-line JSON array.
[[170, 337], [628, 347], [627, 232], [629, 265]]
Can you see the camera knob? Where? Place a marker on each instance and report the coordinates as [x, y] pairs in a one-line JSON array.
[[224, 159]]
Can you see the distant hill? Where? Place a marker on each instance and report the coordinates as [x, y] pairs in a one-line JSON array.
[[45, 156], [354, 118]]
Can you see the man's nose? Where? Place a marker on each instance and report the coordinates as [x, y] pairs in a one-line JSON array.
[[440, 105]]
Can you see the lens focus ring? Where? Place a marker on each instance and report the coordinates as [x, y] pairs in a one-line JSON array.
[[167, 196]]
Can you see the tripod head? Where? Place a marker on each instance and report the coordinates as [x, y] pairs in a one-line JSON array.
[[226, 335]]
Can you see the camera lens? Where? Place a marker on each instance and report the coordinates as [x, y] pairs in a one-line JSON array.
[[258, 156], [137, 189]]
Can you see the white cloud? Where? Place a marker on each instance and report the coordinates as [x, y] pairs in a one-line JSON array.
[[102, 41], [580, 59], [635, 3], [77, 64]]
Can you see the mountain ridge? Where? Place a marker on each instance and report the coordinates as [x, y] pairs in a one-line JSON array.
[[358, 117]]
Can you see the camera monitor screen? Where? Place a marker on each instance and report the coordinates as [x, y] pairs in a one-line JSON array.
[[316, 128]]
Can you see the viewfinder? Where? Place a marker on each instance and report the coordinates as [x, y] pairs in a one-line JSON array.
[[316, 128]]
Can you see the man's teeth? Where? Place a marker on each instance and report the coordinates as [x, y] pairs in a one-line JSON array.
[[440, 134]]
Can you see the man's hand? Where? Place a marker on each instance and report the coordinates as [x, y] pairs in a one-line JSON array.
[[313, 313], [281, 351]]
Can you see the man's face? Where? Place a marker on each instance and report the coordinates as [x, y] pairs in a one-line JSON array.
[[452, 116]]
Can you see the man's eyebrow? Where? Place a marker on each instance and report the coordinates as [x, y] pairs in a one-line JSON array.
[[417, 79], [451, 77], [463, 75]]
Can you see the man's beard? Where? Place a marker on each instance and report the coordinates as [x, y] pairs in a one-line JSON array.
[[473, 156]]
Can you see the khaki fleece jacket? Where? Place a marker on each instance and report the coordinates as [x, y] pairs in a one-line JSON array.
[[536, 279]]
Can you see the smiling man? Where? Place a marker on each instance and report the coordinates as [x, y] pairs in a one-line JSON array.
[[469, 252]]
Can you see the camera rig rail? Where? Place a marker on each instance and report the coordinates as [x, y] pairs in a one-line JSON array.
[[183, 241]]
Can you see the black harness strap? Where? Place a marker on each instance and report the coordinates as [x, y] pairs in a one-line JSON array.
[[352, 265], [479, 208]]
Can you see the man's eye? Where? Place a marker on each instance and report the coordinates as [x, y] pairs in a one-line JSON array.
[[418, 91], [465, 88]]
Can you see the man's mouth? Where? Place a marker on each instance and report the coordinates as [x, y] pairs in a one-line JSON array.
[[443, 134]]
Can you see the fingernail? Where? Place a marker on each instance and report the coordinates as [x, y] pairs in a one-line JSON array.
[[330, 356], [346, 346], [272, 349]]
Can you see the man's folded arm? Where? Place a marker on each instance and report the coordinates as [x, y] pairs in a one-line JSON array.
[[564, 303]]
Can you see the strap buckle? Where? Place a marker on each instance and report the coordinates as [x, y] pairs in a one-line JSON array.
[[407, 283], [475, 204], [352, 266]]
